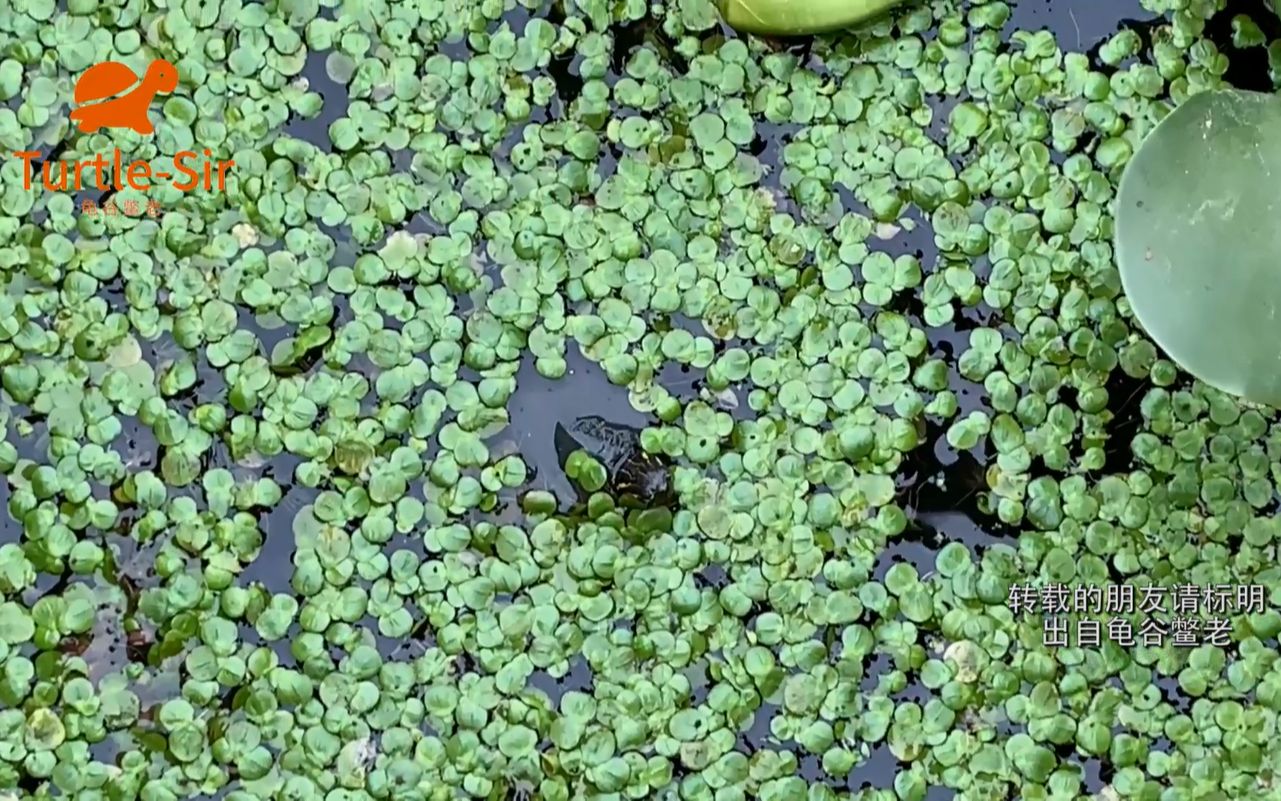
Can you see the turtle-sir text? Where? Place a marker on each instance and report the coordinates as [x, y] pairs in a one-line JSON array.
[[189, 172]]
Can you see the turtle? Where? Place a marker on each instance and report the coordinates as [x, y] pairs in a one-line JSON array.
[[636, 477], [103, 102]]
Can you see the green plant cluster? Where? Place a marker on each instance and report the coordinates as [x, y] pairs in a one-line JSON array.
[[268, 536]]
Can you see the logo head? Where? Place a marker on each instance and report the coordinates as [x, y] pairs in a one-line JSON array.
[[162, 75]]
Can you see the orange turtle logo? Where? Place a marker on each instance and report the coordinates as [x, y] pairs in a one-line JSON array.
[[110, 95], [102, 101]]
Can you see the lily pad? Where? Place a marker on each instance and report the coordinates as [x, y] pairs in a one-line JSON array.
[[792, 18], [1196, 240]]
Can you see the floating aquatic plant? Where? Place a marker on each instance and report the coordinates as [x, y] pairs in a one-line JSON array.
[[579, 400], [1195, 245], [800, 17]]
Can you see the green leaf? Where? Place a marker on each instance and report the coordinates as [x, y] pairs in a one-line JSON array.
[[787, 18], [16, 625], [1196, 240]]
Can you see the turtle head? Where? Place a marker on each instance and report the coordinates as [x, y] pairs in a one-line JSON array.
[[162, 75]]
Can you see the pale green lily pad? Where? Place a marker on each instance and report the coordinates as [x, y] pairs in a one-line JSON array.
[[1196, 240], [126, 353], [793, 18]]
